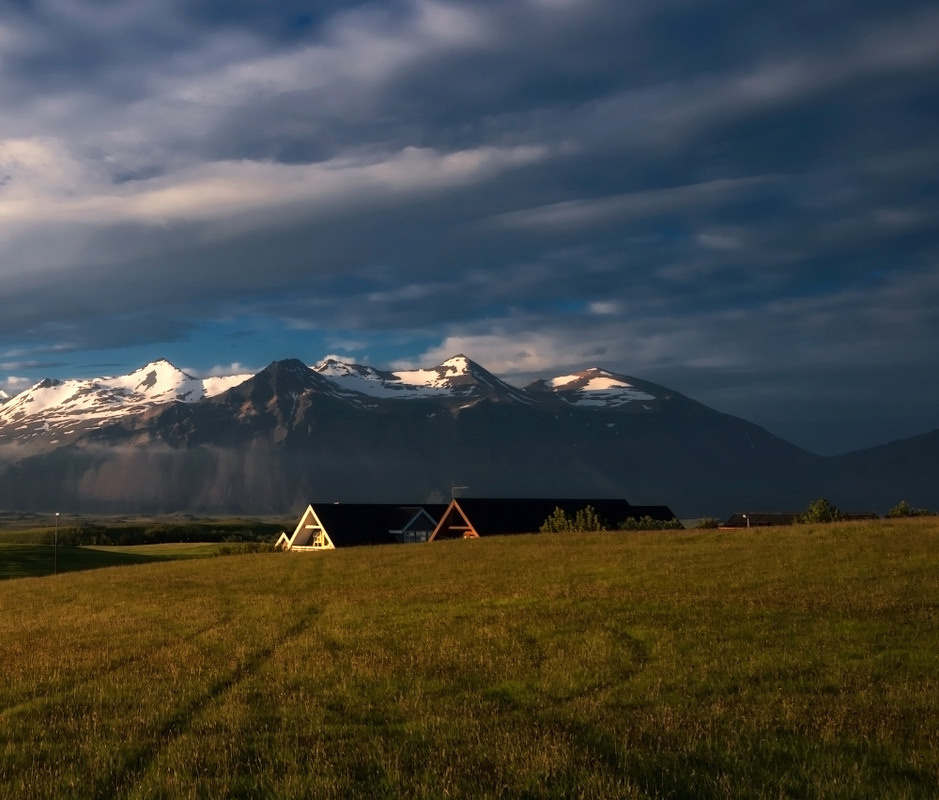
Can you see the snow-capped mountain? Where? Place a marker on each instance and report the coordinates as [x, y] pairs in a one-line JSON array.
[[457, 377], [53, 413], [595, 387], [55, 410], [161, 440]]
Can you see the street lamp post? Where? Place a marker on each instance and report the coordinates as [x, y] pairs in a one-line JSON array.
[[55, 546]]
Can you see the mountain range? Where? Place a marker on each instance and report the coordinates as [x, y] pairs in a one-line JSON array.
[[159, 441]]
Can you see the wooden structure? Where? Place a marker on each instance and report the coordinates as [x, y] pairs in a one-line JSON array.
[[329, 526], [472, 517]]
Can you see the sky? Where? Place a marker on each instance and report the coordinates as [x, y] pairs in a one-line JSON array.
[[737, 200]]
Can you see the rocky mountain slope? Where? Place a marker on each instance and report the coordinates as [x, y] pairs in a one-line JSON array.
[[161, 441], [52, 411]]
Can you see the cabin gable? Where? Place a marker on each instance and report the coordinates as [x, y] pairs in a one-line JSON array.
[[454, 524], [310, 534]]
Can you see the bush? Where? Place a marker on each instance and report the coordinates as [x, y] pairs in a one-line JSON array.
[[821, 510], [244, 548], [708, 522], [586, 519], [646, 523], [904, 509]]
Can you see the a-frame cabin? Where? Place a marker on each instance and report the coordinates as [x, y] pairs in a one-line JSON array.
[[310, 534], [333, 525], [472, 517]]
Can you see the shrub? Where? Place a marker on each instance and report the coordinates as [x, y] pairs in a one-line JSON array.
[[904, 509], [821, 510], [244, 548], [557, 522], [586, 519], [646, 523]]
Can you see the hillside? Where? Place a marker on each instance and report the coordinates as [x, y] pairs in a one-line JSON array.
[[292, 434]]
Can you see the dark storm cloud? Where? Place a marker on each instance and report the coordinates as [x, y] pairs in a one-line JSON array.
[[654, 186]]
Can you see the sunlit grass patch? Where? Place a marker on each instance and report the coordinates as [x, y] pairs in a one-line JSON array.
[[785, 663]]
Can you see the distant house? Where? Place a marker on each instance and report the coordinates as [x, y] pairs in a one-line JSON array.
[[760, 519], [472, 517], [333, 525], [764, 519]]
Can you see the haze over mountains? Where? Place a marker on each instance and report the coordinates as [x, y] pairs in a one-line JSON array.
[[159, 440]]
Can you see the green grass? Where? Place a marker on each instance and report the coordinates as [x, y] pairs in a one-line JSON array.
[[84, 529], [166, 551], [33, 560], [775, 663]]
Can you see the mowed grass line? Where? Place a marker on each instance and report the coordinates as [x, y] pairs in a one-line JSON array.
[[782, 663]]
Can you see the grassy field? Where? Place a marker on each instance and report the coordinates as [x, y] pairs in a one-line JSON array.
[[32, 560], [89, 529], [798, 662]]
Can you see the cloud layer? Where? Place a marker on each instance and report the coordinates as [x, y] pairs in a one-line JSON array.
[[736, 198]]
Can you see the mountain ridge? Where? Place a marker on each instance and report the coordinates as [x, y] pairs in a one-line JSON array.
[[52, 405], [292, 433]]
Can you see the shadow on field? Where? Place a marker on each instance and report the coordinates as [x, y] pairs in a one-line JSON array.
[[37, 560], [126, 774]]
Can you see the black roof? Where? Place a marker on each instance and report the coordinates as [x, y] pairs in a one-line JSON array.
[[663, 513], [502, 515], [760, 519], [352, 524]]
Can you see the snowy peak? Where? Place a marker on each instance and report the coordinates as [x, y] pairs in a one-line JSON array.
[[354, 377], [467, 377], [159, 381], [595, 387], [53, 408], [460, 365], [460, 371], [335, 367], [361, 379], [54, 412], [457, 377]]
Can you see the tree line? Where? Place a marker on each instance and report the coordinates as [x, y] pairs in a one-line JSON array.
[[587, 520], [823, 510]]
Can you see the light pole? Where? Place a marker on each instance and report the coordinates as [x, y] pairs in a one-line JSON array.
[[55, 547]]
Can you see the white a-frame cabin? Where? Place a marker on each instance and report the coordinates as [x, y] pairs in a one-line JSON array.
[[350, 524], [310, 534]]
